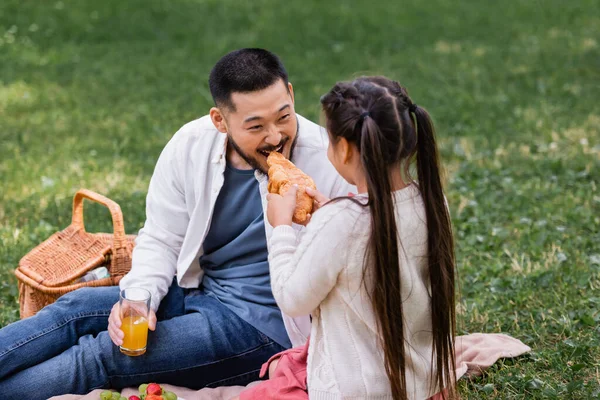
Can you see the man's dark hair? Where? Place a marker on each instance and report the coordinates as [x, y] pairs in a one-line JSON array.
[[244, 71]]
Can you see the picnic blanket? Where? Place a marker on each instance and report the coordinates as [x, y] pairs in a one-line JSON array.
[[474, 354]]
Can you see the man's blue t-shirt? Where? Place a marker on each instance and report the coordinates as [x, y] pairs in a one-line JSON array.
[[235, 259]]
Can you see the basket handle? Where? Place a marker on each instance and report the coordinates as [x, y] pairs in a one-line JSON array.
[[115, 212]]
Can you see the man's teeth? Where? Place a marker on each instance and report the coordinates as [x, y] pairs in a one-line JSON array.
[[266, 153]]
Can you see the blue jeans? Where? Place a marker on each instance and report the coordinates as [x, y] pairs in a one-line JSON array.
[[65, 348]]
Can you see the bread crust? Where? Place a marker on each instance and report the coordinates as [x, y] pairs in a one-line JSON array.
[[283, 174]]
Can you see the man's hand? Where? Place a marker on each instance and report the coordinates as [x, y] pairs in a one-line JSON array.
[[114, 324], [280, 209]]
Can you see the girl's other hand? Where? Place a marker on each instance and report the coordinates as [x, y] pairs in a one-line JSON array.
[[319, 198], [280, 209]]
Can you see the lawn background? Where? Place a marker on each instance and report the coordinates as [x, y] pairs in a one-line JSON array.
[[91, 91]]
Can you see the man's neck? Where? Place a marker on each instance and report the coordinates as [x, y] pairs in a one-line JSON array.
[[236, 161]]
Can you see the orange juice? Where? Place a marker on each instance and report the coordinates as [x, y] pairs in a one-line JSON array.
[[135, 329]]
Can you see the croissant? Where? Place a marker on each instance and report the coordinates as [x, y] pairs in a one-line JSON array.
[[283, 174]]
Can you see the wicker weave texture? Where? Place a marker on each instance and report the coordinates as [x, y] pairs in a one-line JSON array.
[[47, 271]]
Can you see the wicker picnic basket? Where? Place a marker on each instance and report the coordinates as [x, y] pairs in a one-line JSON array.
[[48, 271]]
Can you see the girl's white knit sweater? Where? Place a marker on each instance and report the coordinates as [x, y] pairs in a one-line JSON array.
[[322, 273]]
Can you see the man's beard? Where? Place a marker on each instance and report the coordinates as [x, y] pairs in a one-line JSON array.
[[252, 161]]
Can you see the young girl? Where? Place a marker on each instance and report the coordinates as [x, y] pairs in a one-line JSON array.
[[376, 271]]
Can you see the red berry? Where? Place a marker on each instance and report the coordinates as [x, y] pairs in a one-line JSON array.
[[133, 398], [154, 388]]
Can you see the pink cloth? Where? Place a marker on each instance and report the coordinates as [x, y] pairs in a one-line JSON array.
[[474, 354], [288, 381]]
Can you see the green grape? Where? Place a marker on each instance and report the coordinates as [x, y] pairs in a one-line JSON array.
[[106, 395], [122, 398], [170, 396], [143, 388], [115, 396]]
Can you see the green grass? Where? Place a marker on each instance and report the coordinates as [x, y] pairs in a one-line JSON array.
[[91, 91]]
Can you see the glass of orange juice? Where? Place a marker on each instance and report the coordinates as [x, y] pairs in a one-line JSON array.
[[135, 305]]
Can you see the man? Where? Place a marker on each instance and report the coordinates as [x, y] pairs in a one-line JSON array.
[[204, 226]]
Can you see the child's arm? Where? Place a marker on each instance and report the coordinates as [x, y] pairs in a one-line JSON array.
[[303, 274]]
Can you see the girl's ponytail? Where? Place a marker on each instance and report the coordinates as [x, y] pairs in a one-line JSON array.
[[440, 245], [382, 254]]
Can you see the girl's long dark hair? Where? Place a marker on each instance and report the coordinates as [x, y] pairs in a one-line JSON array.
[[376, 115]]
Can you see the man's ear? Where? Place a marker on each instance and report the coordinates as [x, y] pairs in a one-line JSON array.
[[291, 90], [218, 119]]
